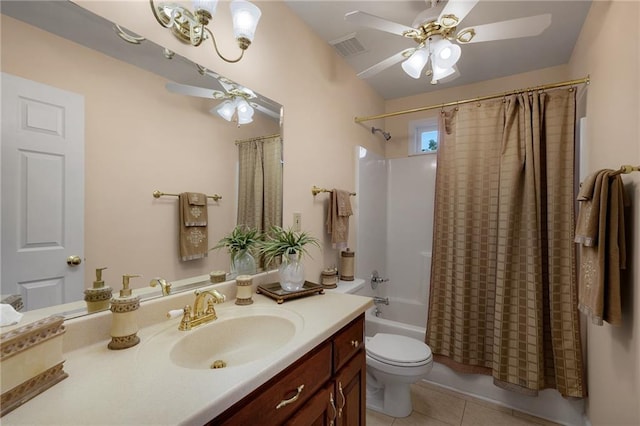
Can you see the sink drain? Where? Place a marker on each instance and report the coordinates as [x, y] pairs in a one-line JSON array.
[[218, 364]]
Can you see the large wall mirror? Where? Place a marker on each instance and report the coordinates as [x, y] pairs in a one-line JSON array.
[[147, 124]]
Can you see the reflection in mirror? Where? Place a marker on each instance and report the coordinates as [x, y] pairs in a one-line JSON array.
[[136, 136]]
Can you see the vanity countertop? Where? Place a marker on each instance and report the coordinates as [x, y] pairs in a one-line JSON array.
[[132, 387]]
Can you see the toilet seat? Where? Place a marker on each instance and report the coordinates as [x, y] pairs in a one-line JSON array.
[[397, 350]]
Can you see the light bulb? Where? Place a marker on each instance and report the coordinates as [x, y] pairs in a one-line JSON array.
[[416, 62]]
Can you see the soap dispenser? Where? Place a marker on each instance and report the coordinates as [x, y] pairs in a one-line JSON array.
[[98, 297], [124, 325]]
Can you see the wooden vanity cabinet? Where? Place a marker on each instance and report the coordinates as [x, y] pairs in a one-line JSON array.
[[333, 375]]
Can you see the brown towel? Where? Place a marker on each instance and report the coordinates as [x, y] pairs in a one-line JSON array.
[[338, 216], [194, 238], [600, 232], [195, 209]]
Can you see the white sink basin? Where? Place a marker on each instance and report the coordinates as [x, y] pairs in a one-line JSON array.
[[239, 335]]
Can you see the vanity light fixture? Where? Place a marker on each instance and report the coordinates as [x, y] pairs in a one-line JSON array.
[[192, 27]]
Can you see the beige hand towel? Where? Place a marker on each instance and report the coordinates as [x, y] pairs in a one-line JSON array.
[[338, 216], [194, 239], [600, 231]]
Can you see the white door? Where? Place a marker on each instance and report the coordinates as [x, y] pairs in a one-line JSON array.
[[42, 192]]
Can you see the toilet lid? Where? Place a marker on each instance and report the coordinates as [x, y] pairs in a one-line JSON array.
[[398, 350]]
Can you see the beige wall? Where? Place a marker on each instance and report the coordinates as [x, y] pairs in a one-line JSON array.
[[608, 50], [138, 138]]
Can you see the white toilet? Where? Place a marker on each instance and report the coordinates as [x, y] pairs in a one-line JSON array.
[[394, 362]]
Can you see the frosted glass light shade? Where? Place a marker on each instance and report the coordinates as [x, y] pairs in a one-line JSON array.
[[208, 5], [446, 54], [440, 73], [416, 62], [226, 110], [245, 19], [245, 112]]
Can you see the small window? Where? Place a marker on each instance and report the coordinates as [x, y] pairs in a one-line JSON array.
[[424, 136], [429, 140]]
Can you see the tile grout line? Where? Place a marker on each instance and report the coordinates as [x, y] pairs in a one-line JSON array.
[[464, 409]]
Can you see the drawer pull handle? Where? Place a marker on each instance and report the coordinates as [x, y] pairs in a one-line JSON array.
[[333, 405], [355, 343], [294, 398], [344, 400]]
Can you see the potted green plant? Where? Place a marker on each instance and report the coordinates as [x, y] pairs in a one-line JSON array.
[[239, 243], [292, 246]]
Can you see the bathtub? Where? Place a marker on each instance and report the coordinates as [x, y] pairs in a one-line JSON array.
[[408, 318], [389, 322]]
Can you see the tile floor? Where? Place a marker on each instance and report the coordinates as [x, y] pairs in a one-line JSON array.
[[436, 406]]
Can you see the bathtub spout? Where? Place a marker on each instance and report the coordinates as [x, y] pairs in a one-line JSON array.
[[380, 300]]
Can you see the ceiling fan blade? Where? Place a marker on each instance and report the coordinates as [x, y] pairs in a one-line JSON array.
[[383, 65], [273, 114], [514, 28], [367, 20], [458, 8], [200, 92]]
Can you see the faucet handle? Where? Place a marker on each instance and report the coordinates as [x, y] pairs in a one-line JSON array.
[[175, 313]]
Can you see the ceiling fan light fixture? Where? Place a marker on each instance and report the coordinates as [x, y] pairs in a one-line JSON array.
[[415, 63]]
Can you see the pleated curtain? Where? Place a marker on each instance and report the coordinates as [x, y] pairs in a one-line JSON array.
[[503, 297]]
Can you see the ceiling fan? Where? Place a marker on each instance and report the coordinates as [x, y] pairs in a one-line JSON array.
[[434, 36], [238, 102]]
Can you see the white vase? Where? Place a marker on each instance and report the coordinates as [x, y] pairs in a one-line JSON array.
[[291, 273], [243, 264]]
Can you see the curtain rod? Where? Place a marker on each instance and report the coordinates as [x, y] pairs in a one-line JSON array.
[[481, 98], [259, 138]]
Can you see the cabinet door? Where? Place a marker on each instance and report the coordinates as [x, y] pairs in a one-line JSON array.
[[320, 410], [348, 342], [351, 390]]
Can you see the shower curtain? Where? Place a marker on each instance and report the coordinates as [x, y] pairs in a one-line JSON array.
[[260, 182], [503, 297]]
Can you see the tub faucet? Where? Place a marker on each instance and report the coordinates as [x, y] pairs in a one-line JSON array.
[[380, 300]]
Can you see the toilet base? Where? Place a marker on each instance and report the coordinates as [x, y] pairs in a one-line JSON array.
[[392, 400]]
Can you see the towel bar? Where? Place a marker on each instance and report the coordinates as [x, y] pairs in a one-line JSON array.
[[626, 169], [315, 191], [158, 194]]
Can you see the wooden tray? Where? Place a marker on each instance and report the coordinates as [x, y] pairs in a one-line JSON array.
[[276, 292]]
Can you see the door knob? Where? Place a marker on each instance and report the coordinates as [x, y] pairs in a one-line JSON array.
[[74, 260]]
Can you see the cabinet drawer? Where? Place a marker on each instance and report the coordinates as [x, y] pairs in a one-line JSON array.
[[312, 371], [347, 342]]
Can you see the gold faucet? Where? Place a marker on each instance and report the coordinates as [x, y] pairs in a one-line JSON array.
[[201, 315], [164, 284]]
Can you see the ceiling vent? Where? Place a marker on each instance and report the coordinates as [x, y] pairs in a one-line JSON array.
[[348, 45]]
